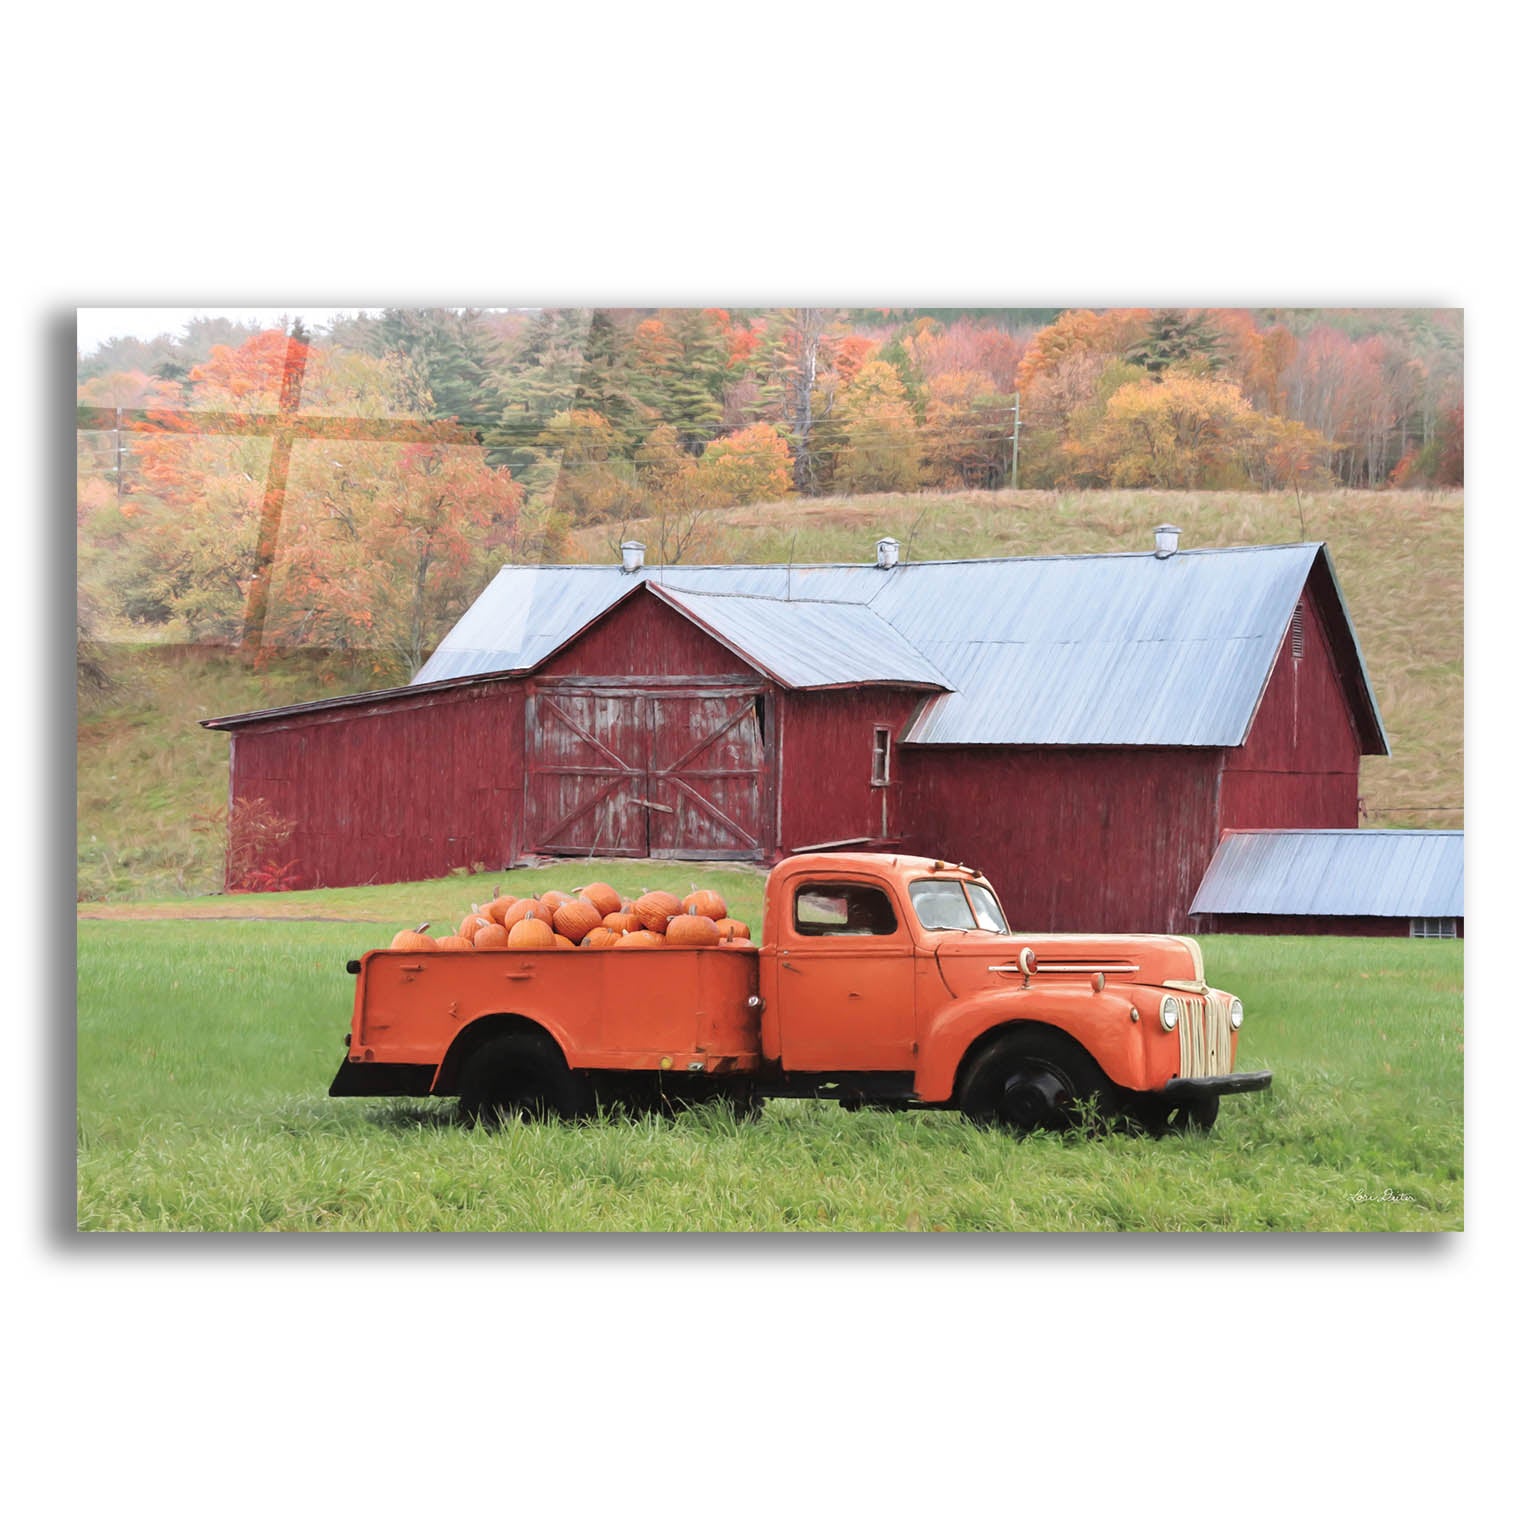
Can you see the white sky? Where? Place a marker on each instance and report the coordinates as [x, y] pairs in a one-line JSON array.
[[95, 325]]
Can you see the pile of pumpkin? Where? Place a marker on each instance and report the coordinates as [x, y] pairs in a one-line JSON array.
[[593, 916]]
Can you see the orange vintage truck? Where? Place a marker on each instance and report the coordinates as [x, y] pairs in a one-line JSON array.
[[882, 980]]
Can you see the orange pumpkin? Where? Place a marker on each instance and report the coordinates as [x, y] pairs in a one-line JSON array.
[[413, 940], [455, 943], [624, 920], [601, 895], [498, 909], [574, 920], [706, 901], [526, 909], [692, 930], [732, 930], [489, 936], [657, 909], [555, 899], [564, 943], [639, 938], [600, 937], [526, 934]]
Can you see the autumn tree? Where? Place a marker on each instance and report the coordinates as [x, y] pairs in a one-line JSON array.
[[1184, 431], [879, 446], [753, 465], [967, 431]]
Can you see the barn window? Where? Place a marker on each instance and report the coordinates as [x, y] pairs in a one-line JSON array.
[[761, 717], [882, 756], [1298, 631], [1443, 930]]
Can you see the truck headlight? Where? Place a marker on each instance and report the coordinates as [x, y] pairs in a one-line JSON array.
[[1237, 1014], [1170, 1014]]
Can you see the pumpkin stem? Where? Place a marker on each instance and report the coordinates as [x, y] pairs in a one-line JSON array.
[[423, 927]]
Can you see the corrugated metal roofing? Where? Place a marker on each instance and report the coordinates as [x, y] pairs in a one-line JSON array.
[[1411, 872], [1119, 649], [809, 644]]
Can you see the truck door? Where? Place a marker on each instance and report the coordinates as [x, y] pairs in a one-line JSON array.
[[844, 979]]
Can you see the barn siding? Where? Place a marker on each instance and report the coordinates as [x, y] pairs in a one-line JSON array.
[[1298, 767], [1311, 925], [1073, 839], [401, 791], [826, 766], [643, 636]]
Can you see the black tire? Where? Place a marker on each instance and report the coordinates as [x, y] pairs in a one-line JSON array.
[[521, 1077], [1035, 1078], [1157, 1117]]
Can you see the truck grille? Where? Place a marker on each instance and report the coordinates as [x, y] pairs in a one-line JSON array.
[[1208, 1047]]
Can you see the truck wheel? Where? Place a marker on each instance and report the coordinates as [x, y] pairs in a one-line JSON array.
[[1031, 1080], [1157, 1117], [521, 1077]]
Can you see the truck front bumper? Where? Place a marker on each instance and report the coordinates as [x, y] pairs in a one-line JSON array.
[[1197, 1088]]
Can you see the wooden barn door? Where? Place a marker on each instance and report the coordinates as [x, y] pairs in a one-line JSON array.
[[671, 774], [586, 757], [708, 777]]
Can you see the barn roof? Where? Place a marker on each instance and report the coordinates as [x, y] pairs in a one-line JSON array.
[[1384, 872], [1122, 649]]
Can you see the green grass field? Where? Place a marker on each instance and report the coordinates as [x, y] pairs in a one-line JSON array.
[[206, 1045]]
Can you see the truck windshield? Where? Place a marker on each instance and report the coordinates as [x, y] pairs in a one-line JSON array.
[[950, 905]]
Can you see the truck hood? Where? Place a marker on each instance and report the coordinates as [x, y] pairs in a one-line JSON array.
[[965, 959]]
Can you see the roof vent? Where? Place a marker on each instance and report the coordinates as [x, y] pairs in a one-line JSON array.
[[887, 552], [631, 554], [1166, 538]]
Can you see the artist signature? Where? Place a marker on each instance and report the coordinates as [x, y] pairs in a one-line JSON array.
[[1389, 1195]]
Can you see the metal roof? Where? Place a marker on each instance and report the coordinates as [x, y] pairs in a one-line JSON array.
[[1419, 873], [808, 644], [1120, 649]]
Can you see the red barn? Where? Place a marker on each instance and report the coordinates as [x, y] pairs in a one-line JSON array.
[[1083, 728]]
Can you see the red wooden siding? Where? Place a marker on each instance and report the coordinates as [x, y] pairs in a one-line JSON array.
[[1313, 925], [1299, 765], [1073, 839], [826, 767], [395, 792], [642, 637]]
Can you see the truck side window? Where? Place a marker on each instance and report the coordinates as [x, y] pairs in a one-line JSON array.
[[844, 909]]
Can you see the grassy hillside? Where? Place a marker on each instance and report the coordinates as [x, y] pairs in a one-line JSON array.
[[152, 782]]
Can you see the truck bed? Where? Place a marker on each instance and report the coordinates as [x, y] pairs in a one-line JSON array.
[[680, 1008]]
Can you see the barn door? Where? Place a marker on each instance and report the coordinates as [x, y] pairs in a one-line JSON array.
[[707, 787], [676, 776], [587, 758]]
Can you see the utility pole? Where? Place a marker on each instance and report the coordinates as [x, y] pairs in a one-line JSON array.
[[1015, 440]]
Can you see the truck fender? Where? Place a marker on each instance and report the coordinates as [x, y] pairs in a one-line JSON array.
[[483, 1029], [1099, 1023]]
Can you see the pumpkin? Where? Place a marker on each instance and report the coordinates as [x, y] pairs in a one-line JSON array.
[[497, 910], [639, 938], [574, 920], [706, 901], [732, 930], [692, 930], [657, 909], [601, 895], [488, 936], [472, 923], [564, 942], [524, 934], [455, 943], [526, 909], [624, 920], [555, 899], [600, 937], [413, 940]]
